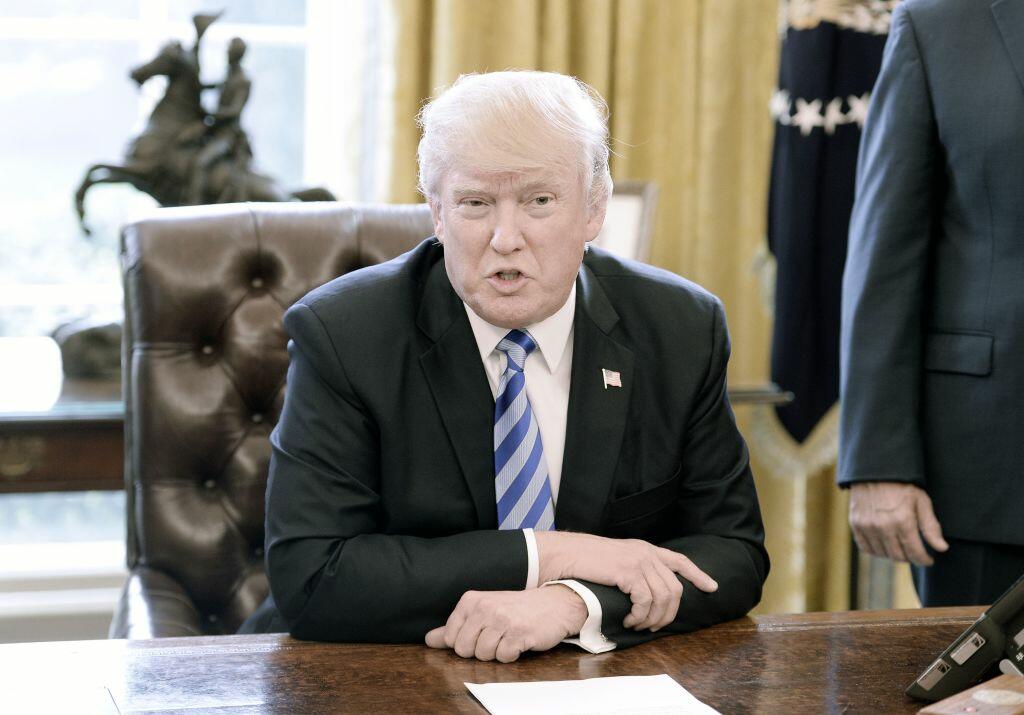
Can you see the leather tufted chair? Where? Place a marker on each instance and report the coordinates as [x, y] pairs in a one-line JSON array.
[[205, 360]]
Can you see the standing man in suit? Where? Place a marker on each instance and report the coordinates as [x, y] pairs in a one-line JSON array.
[[932, 423], [499, 440]]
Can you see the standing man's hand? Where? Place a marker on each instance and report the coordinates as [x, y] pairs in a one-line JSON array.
[[645, 572], [889, 518], [489, 625]]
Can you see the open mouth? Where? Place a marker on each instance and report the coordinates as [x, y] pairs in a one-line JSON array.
[[507, 282]]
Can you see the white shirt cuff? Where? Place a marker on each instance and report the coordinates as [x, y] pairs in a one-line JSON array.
[[532, 560], [590, 639]]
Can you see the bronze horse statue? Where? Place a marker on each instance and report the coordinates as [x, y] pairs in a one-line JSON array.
[[161, 160]]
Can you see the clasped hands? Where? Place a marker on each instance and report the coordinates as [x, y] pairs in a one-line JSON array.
[[501, 625]]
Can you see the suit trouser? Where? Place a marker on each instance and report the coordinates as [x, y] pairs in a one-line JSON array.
[[971, 573]]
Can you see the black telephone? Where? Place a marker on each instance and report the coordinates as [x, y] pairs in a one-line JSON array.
[[998, 633]]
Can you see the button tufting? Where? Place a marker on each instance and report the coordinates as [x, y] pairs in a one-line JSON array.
[[210, 484], [257, 282], [212, 618], [258, 551], [207, 350], [256, 418]]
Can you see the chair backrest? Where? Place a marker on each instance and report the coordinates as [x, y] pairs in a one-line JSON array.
[[205, 359]]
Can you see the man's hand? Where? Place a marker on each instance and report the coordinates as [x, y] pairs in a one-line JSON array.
[[501, 625], [647, 573], [888, 519]]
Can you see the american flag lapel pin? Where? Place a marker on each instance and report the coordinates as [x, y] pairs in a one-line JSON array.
[[611, 378]]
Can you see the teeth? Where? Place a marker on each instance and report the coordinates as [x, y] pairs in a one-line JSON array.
[[508, 275]]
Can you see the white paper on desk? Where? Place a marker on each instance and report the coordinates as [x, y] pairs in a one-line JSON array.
[[626, 695]]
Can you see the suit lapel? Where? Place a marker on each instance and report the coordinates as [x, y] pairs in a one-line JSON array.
[[459, 386], [597, 415], [1009, 17]]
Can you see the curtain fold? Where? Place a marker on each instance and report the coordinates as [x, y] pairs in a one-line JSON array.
[[688, 83]]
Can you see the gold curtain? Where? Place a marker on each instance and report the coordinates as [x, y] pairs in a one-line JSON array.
[[688, 84]]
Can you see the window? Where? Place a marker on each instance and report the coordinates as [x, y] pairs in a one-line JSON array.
[[320, 84], [314, 118]]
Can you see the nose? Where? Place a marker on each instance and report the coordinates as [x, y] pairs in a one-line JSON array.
[[507, 235]]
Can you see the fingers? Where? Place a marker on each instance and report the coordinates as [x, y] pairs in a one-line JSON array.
[[675, 591], [665, 591], [639, 592], [892, 537], [930, 527], [483, 644], [465, 634], [913, 548], [868, 534], [500, 625], [876, 544], [883, 540], [655, 584], [455, 622], [435, 638], [508, 650], [465, 641], [861, 540], [688, 570], [884, 522], [487, 644], [666, 598]]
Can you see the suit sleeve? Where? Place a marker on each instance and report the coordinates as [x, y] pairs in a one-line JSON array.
[[717, 517], [334, 572], [885, 279]]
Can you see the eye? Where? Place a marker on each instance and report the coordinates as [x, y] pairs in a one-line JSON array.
[[543, 200], [473, 203]]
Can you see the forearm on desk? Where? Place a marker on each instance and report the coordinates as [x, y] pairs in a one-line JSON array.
[[738, 567], [387, 588]]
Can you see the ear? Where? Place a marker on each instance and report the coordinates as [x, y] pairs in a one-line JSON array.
[[595, 218], [435, 215]]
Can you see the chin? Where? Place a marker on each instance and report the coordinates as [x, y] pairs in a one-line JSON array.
[[506, 316], [503, 320]]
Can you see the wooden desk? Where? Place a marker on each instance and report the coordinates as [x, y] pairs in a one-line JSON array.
[[56, 434], [813, 663], [76, 444]]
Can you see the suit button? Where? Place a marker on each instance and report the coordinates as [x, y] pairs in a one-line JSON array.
[[256, 418]]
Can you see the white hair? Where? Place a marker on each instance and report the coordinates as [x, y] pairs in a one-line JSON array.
[[516, 121]]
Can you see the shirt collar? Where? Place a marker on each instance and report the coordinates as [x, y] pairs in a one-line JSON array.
[[550, 334]]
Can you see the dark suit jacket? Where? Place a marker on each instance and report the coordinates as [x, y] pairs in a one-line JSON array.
[[381, 506], [933, 294]]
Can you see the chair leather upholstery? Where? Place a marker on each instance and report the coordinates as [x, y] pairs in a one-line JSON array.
[[204, 360]]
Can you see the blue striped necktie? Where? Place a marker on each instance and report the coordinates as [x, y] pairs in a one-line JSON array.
[[521, 473]]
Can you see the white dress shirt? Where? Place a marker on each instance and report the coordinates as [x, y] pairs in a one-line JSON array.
[[548, 374]]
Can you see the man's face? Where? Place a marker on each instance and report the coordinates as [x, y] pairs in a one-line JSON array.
[[513, 242]]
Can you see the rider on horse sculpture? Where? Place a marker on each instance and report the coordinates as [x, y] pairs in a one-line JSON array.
[[224, 137], [186, 156]]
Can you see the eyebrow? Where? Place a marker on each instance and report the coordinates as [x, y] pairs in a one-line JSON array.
[[475, 189]]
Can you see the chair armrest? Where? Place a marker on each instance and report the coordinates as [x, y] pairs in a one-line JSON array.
[[154, 605]]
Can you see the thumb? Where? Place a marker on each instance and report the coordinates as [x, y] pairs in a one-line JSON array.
[[929, 525], [435, 638]]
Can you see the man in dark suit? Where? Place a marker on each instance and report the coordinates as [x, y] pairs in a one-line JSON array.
[[499, 440], [933, 298]]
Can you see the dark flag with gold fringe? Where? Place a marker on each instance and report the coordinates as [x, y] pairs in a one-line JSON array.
[[831, 54]]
